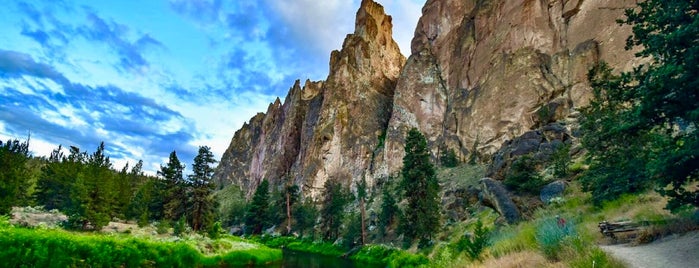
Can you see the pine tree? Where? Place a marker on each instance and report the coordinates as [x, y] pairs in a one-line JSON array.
[[335, 200], [420, 188], [175, 188], [13, 173], [202, 204], [640, 128], [389, 211], [257, 216], [306, 216]]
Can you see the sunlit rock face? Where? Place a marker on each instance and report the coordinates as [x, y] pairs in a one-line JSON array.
[[327, 129], [480, 73]]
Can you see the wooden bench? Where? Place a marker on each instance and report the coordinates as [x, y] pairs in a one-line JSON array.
[[609, 229]]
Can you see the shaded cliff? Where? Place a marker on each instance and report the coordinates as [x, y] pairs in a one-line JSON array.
[[480, 73]]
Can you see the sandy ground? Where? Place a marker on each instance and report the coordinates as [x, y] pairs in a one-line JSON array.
[[670, 252]]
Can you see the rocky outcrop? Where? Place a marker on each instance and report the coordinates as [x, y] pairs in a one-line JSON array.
[[485, 72], [480, 75], [327, 129], [540, 144], [495, 196], [552, 190]]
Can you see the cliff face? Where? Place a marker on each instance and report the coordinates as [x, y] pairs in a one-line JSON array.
[[481, 73], [484, 72], [327, 129]]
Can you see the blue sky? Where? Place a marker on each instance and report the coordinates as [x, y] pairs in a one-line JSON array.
[[150, 77]]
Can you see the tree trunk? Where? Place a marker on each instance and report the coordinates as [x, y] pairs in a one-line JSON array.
[[288, 212], [361, 204]]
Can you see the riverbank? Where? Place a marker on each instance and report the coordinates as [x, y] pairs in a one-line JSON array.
[[372, 254], [45, 247]]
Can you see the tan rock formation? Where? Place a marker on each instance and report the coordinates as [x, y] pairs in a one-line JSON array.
[[328, 129], [481, 71]]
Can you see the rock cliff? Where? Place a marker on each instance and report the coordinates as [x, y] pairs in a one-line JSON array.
[[327, 129], [480, 73]]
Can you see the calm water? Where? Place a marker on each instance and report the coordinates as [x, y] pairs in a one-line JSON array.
[[293, 259]]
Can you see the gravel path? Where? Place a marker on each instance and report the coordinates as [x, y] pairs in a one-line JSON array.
[[674, 251]]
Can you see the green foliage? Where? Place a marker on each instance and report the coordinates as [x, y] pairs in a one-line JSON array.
[[306, 216], [257, 216], [389, 210], [14, 174], [353, 233], [421, 189], [335, 200], [202, 205], [551, 235], [389, 256], [641, 125], [54, 248], [232, 205], [174, 194], [448, 158], [523, 176], [215, 231], [180, 227], [561, 161], [162, 227], [474, 244]]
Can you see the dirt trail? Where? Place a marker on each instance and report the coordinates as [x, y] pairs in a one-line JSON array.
[[674, 251]]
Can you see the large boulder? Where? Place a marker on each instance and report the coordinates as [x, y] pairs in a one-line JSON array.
[[552, 190], [496, 196]]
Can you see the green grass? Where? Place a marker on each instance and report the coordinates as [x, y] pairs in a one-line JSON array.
[[369, 254], [57, 248]]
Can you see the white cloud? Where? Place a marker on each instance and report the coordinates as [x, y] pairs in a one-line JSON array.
[[320, 24]]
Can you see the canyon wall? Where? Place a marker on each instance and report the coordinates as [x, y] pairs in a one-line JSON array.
[[480, 73]]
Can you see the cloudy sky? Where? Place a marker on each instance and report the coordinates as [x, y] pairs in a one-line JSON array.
[[150, 77]]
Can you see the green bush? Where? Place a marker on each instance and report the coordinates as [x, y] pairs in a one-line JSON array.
[[474, 244], [550, 236], [523, 176], [389, 256]]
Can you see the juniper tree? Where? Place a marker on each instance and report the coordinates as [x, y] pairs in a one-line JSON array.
[[421, 189]]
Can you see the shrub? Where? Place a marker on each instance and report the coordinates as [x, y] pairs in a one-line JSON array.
[[162, 227], [523, 177], [180, 227], [550, 235], [216, 230], [474, 244]]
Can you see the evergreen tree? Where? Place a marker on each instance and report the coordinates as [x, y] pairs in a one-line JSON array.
[[14, 174], [420, 188], [448, 158], [334, 202], [175, 188], [257, 216], [202, 204], [53, 186], [306, 216], [389, 211], [641, 125], [92, 193]]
